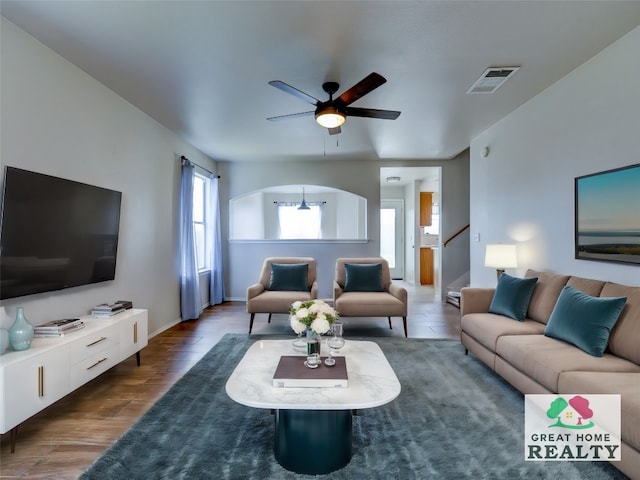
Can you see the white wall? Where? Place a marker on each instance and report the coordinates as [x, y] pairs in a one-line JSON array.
[[58, 120], [523, 191], [251, 209], [411, 222], [454, 216]]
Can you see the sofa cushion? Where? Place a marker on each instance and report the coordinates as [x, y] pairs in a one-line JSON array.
[[586, 285], [486, 328], [289, 277], [369, 304], [545, 294], [624, 340], [627, 385], [583, 320], [363, 277], [276, 301], [512, 296], [544, 359]]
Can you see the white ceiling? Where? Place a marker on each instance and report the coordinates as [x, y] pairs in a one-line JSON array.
[[201, 67]]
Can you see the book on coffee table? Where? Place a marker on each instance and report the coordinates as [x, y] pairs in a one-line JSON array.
[[291, 372]]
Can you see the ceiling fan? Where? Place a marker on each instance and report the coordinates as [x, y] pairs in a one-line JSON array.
[[334, 112]]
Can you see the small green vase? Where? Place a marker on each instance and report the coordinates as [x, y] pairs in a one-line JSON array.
[[21, 332]]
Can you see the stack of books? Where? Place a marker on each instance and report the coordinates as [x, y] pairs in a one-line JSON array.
[[58, 328], [126, 304], [107, 309]]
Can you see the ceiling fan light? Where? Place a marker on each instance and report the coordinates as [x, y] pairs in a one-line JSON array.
[[330, 117]]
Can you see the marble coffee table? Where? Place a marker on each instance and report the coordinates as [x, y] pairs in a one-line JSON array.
[[313, 426]]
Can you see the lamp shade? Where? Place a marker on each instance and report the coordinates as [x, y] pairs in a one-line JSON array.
[[501, 256]]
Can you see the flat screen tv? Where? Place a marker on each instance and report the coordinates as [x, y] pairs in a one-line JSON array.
[[55, 233]]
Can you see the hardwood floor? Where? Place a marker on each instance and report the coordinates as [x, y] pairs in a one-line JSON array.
[[64, 439]]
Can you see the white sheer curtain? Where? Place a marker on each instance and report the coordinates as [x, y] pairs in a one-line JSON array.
[[295, 223], [216, 286], [190, 303]]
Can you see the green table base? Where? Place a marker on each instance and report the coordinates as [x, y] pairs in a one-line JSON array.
[[313, 441]]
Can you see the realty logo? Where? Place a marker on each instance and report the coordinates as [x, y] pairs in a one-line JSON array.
[[585, 427], [559, 409]]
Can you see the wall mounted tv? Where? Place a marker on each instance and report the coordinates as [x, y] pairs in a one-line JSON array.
[[55, 233]]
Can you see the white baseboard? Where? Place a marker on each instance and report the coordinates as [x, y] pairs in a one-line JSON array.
[[164, 327]]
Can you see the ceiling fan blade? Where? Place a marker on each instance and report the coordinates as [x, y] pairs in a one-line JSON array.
[[360, 89], [334, 131], [372, 113], [291, 115], [294, 91]]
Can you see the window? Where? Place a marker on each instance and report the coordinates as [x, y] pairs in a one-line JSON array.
[[200, 184], [257, 215], [296, 223]]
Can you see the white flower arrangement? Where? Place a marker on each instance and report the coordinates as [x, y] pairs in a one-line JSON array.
[[314, 314]]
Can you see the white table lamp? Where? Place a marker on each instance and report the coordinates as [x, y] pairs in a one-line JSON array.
[[500, 257]]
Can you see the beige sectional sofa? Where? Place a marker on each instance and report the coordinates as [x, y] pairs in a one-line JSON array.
[[535, 364]]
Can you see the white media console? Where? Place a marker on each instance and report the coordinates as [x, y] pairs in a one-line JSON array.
[[53, 367]]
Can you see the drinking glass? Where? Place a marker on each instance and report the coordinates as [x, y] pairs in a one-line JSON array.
[[335, 342]]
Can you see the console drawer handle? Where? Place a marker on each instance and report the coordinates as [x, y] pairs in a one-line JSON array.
[[97, 341], [41, 381], [97, 363]]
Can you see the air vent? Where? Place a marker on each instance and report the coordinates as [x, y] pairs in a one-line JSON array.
[[492, 79]]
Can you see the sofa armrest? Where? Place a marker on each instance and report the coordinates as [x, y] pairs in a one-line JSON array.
[[314, 290], [254, 290], [475, 300], [337, 291], [399, 292]]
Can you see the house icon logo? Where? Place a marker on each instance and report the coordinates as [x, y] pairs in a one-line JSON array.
[[575, 427], [575, 413]]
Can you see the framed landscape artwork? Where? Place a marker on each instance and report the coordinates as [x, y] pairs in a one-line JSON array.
[[607, 216]]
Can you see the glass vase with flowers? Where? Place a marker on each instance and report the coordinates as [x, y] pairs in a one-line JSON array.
[[312, 318]]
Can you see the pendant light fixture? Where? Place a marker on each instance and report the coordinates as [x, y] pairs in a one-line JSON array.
[[303, 205], [330, 117]]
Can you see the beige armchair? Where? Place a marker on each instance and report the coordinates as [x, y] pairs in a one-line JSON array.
[[281, 283], [368, 291]]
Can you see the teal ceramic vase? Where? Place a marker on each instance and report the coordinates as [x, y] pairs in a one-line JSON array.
[[21, 332], [4, 340]]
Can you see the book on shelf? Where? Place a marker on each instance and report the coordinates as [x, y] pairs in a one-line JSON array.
[[60, 333], [126, 304], [105, 313], [58, 325], [108, 307], [291, 372]]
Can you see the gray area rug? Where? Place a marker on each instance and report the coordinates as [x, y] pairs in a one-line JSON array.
[[454, 419]]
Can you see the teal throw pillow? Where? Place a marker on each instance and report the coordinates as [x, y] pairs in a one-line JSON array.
[[583, 320], [289, 276], [512, 296], [363, 277]]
